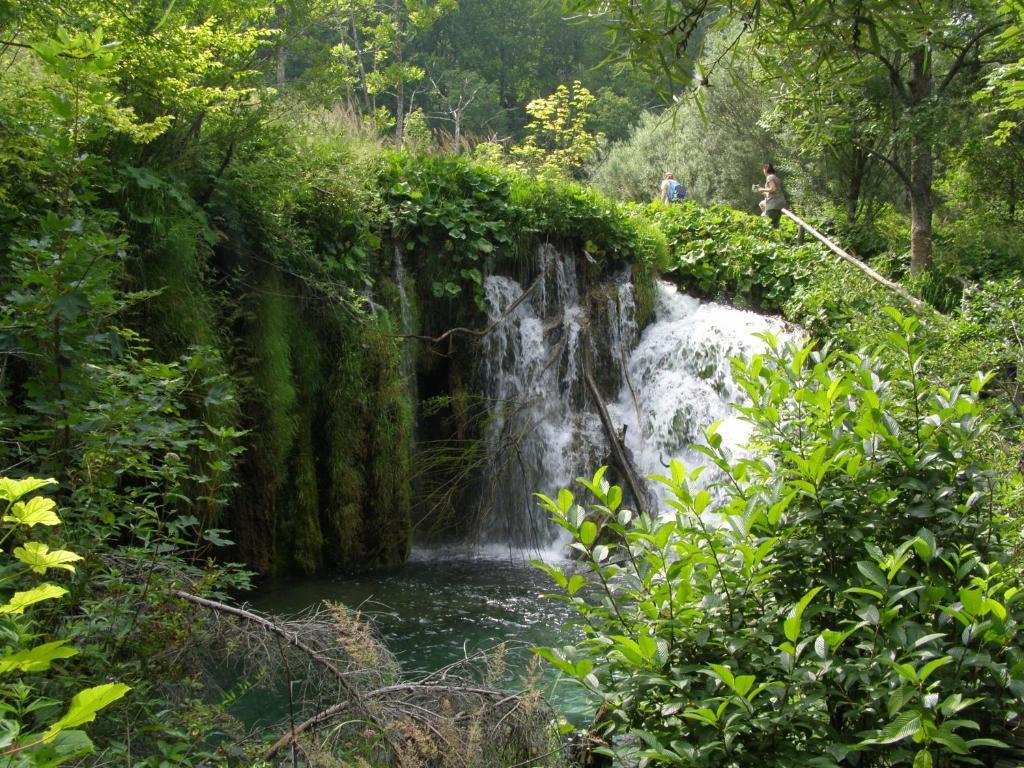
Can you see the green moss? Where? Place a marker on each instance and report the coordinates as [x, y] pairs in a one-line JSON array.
[[327, 394], [299, 521], [644, 291], [272, 374]]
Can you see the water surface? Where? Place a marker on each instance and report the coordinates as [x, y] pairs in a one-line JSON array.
[[444, 606]]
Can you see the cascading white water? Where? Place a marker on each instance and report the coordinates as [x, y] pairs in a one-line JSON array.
[[531, 365], [682, 378], [544, 431]]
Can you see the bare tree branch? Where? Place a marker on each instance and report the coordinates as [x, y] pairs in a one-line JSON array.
[[474, 332], [961, 57]]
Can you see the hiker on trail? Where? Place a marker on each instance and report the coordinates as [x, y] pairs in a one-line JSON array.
[[672, 191], [774, 197]]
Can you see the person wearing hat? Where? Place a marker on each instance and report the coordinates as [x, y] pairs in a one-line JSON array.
[[671, 190]]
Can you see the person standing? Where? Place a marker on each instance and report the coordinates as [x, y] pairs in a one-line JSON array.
[[774, 196], [672, 191]]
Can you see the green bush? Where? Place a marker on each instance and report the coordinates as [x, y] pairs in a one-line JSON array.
[[723, 254], [30, 734], [837, 597], [455, 217]]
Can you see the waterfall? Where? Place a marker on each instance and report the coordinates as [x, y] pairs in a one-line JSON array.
[[404, 312], [536, 439], [672, 381], [405, 323], [682, 376]]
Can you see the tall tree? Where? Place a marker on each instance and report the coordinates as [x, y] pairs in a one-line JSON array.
[[928, 51], [376, 36]]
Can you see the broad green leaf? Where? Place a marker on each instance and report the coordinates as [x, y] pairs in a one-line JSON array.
[[791, 628], [933, 665], [997, 609], [873, 572], [556, 659], [724, 674], [973, 743], [923, 759], [744, 683], [12, 490], [39, 557], [69, 745], [648, 646], [951, 740], [905, 725], [805, 601], [820, 646], [36, 659], [588, 532], [21, 600], [565, 500], [36, 511], [973, 600], [576, 583], [85, 705], [9, 731], [924, 544], [614, 498]]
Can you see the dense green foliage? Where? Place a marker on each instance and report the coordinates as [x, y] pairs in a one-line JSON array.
[[24, 743], [838, 596], [217, 299]]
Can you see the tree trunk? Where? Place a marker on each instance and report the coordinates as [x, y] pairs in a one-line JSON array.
[[858, 166], [281, 14], [282, 58], [922, 165], [921, 172], [357, 46], [400, 86], [400, 112]]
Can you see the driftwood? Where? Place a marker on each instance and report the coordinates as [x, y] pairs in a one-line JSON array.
[[357, 700], [443, 710], [618, 449], [499, 699], [915, 302], [289, 637]]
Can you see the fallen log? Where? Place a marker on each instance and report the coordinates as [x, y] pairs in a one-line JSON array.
[[618, 449], [915, 302], [357, 700]]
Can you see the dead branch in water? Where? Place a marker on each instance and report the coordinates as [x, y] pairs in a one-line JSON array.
[[357, 700], [473, 703], [618, 449]]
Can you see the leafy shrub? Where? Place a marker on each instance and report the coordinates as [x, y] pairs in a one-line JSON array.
[[27, 736], [837, 597], [716, 148], [455, 217], [989, 334]]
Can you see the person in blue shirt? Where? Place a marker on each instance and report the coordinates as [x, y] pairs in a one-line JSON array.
[[672, 191]]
